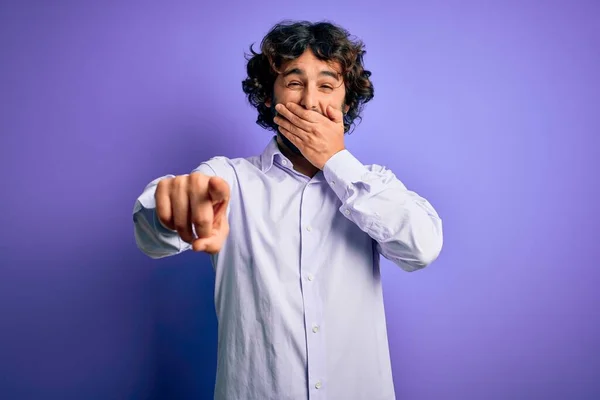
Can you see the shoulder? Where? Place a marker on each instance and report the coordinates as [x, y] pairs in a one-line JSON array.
[[228, 168]]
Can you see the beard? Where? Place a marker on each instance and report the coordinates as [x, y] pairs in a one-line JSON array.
[[285, 140]]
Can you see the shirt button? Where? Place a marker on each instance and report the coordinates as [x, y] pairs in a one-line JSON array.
[[309, 228], [310, 277], [347, 212], [332, 183], [315, 328], [284, 162], [318, 385]]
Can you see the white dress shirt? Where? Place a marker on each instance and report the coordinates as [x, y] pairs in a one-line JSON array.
[[298, 288]]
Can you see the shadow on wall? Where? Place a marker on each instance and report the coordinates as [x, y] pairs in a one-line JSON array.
[[185, 327], [182, 292]]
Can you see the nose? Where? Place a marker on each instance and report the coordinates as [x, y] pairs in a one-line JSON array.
[[309, 100]]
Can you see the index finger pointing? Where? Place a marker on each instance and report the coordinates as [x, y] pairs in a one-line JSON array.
[[218, 189]]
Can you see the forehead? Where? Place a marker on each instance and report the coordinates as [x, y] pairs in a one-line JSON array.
[[310, 64]]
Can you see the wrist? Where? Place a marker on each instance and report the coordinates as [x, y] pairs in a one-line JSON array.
[[329, 157]]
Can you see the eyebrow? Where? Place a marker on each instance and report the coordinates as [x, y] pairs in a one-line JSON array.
[[298, 71]]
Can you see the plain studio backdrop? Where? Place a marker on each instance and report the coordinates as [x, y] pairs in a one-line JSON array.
[[490, 110]]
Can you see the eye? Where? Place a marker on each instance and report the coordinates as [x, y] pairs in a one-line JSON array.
[[294, 84], [327, 87]]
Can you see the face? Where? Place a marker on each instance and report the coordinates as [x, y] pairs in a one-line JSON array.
[[311, 83]]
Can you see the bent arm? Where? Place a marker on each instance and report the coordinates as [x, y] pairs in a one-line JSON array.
[[407, 229]]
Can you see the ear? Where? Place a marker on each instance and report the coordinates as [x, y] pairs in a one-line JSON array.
[[346, 108], [268, 102]]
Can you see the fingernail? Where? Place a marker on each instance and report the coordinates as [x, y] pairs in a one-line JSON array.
[[278, 107]]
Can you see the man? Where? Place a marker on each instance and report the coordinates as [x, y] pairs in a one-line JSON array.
[[295, 234]]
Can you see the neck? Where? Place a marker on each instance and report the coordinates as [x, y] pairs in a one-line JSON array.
[[300, 163]]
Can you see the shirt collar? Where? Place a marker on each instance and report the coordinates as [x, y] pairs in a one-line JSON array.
[[272, 154], [269, 153]]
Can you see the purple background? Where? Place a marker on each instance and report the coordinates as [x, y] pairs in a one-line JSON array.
[[489, 111]]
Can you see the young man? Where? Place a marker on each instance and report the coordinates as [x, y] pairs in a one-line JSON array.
[[295, 234]]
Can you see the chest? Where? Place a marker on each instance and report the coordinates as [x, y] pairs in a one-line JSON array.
[[280, 211]]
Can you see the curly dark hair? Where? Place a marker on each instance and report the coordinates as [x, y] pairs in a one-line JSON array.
[[289, 40]]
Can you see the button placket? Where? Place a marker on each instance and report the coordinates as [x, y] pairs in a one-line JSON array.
[[313, 307]]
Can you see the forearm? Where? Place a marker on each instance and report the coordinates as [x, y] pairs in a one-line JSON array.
[[407, 229], [408, 232]]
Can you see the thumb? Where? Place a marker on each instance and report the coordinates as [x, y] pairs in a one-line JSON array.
[[335, 115]]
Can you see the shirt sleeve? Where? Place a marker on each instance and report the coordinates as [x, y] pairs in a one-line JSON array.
[[151, 236], [407, 229]]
